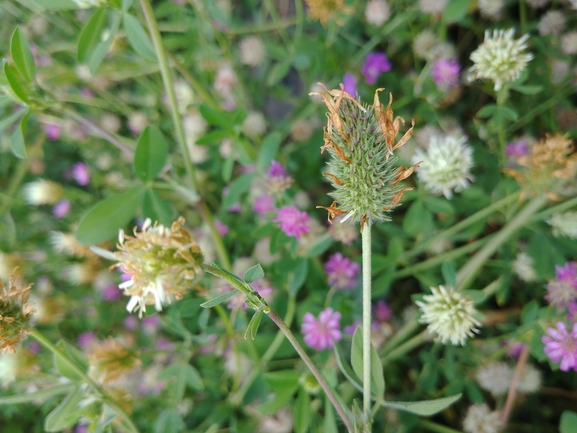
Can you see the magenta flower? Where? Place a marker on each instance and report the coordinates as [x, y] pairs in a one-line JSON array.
[[567, 273], [382, 312], [292, 221], [221, 228], [322, 333], [342, 272], [375, 64], [561, 345], [61, 209], [562, 291], [277, 179], [445, 73], [130, 322], [263, 204], [350, 84], [111, 293], [80, 174], [52, 131], [515, 149], [86, 339]]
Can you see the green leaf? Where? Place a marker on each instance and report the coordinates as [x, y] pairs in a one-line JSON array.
[[455, 11], [283, 380], [346, 370], [253, 274], [425, 407], [17, 139], [91, 34], [99, 52], [486, 111], [320, 246], [299, 275], [39, 6], [156, 208], [126, 5], [528, 90], [268, 149], [169, 420], [227, 167], [73, 354], [217, 118], [181, 374], [302, 412], [568, 422], [219, 299], [509, 113], [329, 419], [278, 72], [8, 121], [65, 414], [253, 325], [239, 186], [150, 154], [103, 221], [38, 395], [478, 296], [22, 56], [449, 273], [138, 38], [377, 375], [15, 85], [418, 219]]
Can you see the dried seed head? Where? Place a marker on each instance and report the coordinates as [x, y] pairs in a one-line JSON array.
[[15, 313]]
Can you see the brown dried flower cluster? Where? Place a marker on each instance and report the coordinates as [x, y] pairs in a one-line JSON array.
[[15, 313], [323, 10], [550, 167], [110, 361], [361, 140]]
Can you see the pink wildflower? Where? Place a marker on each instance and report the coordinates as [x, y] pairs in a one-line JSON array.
[[292, 221], [80, 174], [375, 64], [562, 291], [342, 272], [561, 345], [53, 131], [86, 339], [322, 333], [263, 204], [350, 84], [382, 312], [517, 148], [445, 73], [567, 273], [276, 178], [221, 228], [61, 209], [131, 322], [111, 293]]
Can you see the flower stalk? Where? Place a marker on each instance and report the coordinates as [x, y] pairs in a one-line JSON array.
[[366, 247]]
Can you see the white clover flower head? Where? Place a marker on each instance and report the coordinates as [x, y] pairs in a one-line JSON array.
[[449, 314], [42, 191], [530, 379], [377, 12], [495, 377], [252, 51], [564, 224], [492, 9], [424, 43], [569, 43], [552, 23], [445, 164], [523, 267], [537, 4], [500, 58], [434, 7], [480, 419], [254, 125]]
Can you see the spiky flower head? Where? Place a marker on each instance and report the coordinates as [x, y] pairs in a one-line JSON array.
[[449, 314], [550, 166], [445, 164], [500, 58], [162, 264], [15, 313], [361, 141]]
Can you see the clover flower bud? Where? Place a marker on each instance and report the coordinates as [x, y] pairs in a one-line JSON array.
[[15, 313], [162, 264], [361, 141]]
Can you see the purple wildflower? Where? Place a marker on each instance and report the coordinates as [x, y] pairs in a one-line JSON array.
[[375, 64], [86, 339], [567, 273], [61, 209], [263, 204], [130, 323], [150, 324], [277, 179], [350, 84], [518, 148], [382, 312], [322, 333], [350, 330], [221, 228], [111, 293], [445, 73], [561, 345], [342, 272], [53, 131], [80, 174], [292, 221], [562, 291]]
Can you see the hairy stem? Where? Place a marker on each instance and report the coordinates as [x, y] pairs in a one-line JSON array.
[[366, 246]]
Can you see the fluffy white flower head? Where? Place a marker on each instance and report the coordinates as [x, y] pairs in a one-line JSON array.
[[523, 267], [495, 377], [449, 314], [445, 164], [42, 191], [480, 419], [500, 58], [252, 51], [377, 12]]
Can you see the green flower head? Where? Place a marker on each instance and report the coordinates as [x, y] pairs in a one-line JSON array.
[[361, 141]]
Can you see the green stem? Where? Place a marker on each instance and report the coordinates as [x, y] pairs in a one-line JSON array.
[[129, 424], [555, 209], [480, 215], [276, 20], [407, 329], [467, 273], [366, 247], [406, 347], [316, 373]]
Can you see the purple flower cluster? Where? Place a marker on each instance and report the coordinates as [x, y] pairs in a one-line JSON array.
[[562, 291], [561, 346], [350, 84], [277, 179], [322, 333], [445, 73], [292, 221], [342, 272], [375, 64]]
